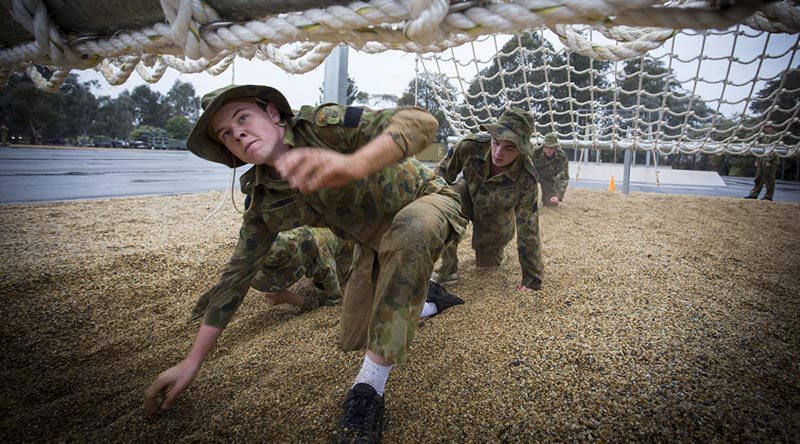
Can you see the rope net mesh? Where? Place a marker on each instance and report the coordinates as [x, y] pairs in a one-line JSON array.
[[732, 91], [619, 83]]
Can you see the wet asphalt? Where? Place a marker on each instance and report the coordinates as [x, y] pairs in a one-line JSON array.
[[37, 174]]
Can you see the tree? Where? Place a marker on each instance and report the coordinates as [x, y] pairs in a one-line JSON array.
[[426, 86], [537, 78], [150, 107], [115, 117], [178, 127], [685, 115], [383, 100], [80, 105], [784, 98], [28, 110], [352, 90], [353, 95], [182, 101]]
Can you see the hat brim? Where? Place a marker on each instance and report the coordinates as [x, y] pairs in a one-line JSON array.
[[523, 145], [200, 141]]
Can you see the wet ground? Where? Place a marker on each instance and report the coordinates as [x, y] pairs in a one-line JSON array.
[[34, 174], [41, 174], [785, 191]]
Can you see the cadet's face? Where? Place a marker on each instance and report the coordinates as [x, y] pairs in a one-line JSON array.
[[504, 153], [549, 151], [250, 133]]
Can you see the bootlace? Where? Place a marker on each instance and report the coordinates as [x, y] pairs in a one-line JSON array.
[[360, 409]]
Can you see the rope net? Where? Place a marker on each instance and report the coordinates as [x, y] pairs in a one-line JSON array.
[[733, 91], [632, 96]]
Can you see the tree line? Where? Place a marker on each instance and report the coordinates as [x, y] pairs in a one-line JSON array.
[[76, 116], [646, 88]]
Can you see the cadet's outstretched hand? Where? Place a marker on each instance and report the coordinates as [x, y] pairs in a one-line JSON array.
[[554, 200], [310, 169], [163, 392], [524, 288]]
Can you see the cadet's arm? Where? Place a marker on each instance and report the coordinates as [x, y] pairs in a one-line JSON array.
[[307, 169], [163, 392], [529, 242]]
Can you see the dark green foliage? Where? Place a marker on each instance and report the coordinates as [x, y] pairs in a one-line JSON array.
[[75, 115], [428, 87]]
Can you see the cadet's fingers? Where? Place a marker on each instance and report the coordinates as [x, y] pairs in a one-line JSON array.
[[290, 161], [172, 395], [304, 174], [324, 176], [298, 169], [153, 393]]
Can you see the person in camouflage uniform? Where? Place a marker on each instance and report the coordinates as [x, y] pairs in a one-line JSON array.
[[348, 169], [315, 253], [498, 191], [3, 134], [552, 167], [766, 167]]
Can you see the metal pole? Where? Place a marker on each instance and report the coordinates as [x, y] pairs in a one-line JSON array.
[[783, 169], [334, 87], [796, 167], [647, 158], [626, 177]]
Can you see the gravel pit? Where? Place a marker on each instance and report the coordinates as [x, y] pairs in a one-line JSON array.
[[662, 318]]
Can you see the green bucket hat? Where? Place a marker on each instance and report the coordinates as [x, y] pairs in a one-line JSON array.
[[515, 126], [200, 141], [550, 139]]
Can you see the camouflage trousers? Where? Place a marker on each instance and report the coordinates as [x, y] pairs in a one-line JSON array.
[[315, 253], [388, 287], [764, 176], [485, 256]]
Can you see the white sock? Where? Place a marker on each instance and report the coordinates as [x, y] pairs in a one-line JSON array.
[[429, 309], [373, 374]]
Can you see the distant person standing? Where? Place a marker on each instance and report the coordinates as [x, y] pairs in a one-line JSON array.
[[766, 167], [3, 134], [552, 167]]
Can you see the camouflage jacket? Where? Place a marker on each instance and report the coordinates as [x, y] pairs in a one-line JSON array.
[[499, 202], [772, 159], [360, 211], [553, 172]]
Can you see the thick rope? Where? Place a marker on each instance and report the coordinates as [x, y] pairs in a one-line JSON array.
[[643, 125], [193, 29]]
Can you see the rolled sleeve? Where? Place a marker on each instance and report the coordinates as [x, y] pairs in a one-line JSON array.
[[412, 129]]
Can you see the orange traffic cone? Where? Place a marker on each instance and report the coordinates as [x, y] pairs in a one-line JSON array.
[[611, 186]]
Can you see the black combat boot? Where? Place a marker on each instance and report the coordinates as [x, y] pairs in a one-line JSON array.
[[362, 420], [442, 298]]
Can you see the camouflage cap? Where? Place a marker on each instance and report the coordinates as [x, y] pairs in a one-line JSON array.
[[515, 126], [550, 139], [200, 141]]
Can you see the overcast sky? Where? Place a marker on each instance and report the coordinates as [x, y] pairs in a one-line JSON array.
[[391, 72]]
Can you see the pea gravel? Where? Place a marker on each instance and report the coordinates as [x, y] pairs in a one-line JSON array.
[[662, 318]]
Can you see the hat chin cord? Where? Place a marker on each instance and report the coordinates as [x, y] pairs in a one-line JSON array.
[[222, 201]]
